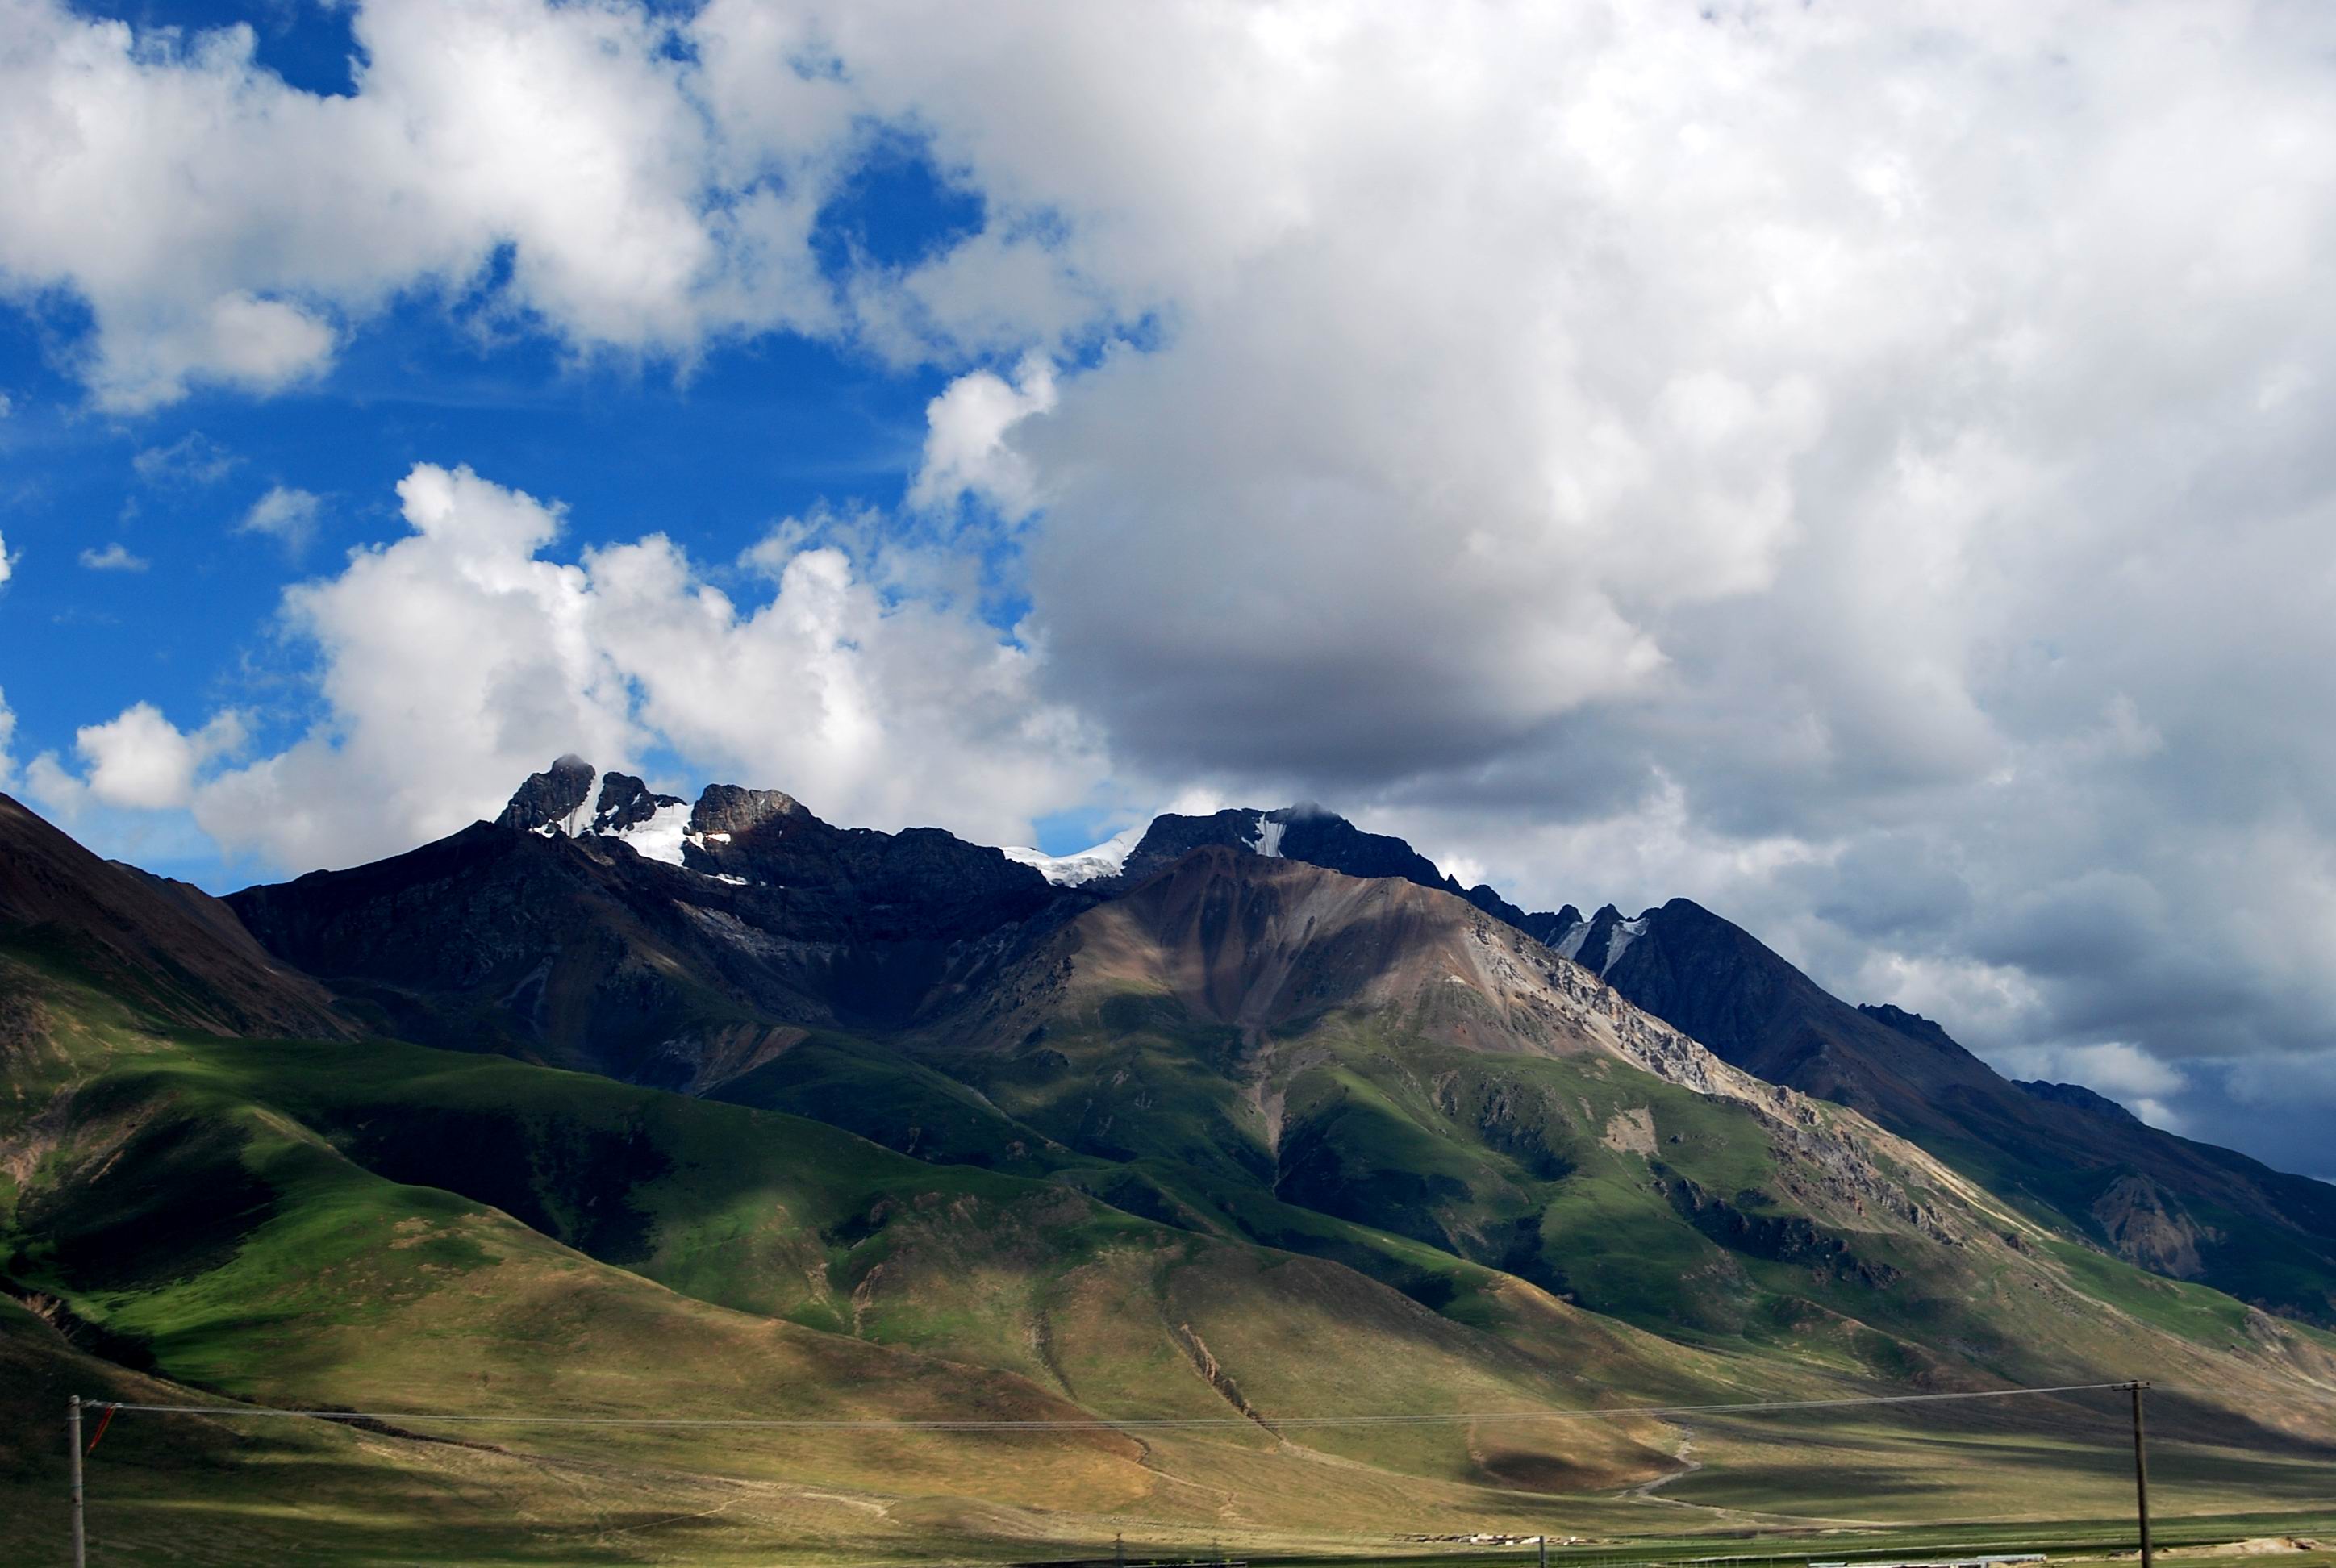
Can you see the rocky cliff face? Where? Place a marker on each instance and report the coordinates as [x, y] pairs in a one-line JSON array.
[[2060, 1151]]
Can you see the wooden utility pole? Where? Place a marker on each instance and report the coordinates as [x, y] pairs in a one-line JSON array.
[[1544, 1550], [2141, 1472], [72, 1440]]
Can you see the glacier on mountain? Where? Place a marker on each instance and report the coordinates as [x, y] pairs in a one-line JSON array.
[[1107, 858]]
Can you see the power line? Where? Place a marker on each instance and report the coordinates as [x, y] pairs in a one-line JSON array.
[[1098, 1424]]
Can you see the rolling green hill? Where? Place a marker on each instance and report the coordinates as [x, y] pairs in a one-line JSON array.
[[1252, 1143]]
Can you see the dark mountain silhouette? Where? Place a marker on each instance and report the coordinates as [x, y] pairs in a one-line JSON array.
[[164, 946]]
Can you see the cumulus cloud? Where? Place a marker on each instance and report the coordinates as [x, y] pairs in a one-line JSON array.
[[248, 225], [1849, 470], [139, 761], [1852, 471], [1864, 471], [286, 515], [7, 740], [114, 557], [869, 705], [236, 340], [7, 563], [966, 450]]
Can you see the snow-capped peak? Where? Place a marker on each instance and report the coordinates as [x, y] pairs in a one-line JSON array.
[[1107, 858], [573, 799]]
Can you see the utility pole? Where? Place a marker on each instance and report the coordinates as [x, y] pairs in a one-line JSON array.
[[73, 1439], [2141, 1471], [1544, 1550]]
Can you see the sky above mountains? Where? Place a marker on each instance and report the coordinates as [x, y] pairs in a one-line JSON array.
[[1868, 475]]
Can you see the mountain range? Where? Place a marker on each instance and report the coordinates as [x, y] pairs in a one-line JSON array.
[[621, 1100]]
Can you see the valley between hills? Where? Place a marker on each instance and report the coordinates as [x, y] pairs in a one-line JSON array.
[[639, 1110]]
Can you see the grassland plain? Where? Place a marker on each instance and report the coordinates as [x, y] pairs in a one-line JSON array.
[[1125, 1206]]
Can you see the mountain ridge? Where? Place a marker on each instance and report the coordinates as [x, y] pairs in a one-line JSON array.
[[786, 921], [1249, 1139], [2169, 1203]]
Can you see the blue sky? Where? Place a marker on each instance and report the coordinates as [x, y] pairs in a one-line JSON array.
[[756, 433], [1865, 472], [710, 448], [712, 456]]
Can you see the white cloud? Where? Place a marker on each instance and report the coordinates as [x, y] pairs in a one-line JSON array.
[[246, 226], [114, 557], [2140, 1082], [869, 706], [7, 738], [1864, 468], [1751, 447], [286, 515], [7, 563], [139, 761], [194, 459], [966, 447], [236, 340]]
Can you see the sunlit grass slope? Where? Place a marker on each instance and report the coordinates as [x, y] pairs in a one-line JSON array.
[[207, 1209], [379, 1226]]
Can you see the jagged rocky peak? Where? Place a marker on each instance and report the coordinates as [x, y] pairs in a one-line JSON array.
[[627, 802], [554, 798], [933, 880], [1546, 928], [1304, 831], [1598, 943], [750, 837], [733, 809], [571, 798]]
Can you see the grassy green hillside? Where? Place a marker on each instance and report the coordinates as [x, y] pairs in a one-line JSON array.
[[1114, 1203], [249, 1219]]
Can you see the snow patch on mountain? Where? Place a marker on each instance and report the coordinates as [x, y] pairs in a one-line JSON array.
[[1568, 946], [577, 821], [1619, 941], [1268, 841], [1107, 858], [659, 838]]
